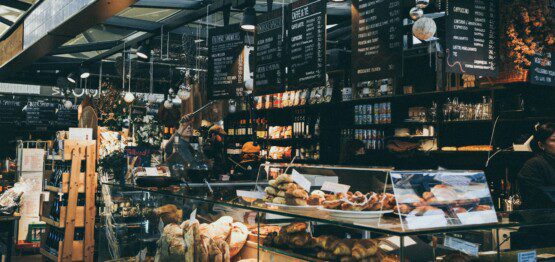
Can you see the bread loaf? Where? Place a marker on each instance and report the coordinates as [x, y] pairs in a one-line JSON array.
[[237, 238]]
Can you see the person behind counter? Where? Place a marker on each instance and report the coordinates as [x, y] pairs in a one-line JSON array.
[[353, 153], [538, 174], [214, 149]]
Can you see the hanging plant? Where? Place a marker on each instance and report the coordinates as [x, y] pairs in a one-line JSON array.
[[112, 109], [528, 30]]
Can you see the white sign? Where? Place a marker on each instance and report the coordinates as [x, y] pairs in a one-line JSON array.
[[193, 215], [300, 180], [151, 171], [80, 133], [461, 245], [335, 187], [32, 159], [250, 194], [478, 217], [318, 180], [529, 256], [426, 221]]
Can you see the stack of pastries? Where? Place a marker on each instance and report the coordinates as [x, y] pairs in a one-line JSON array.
[[359, 202], [329, 248], [218, 241], [283, 190]]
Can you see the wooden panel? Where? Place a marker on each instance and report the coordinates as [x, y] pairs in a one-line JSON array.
[[12, 45], [90, 205]]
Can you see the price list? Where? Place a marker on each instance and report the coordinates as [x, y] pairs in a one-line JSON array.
[[307, 44], [377, 39], [472, 37], [225, 63], [542, 70], [10, 112], [269, 67], [40, 113], [66, 117]]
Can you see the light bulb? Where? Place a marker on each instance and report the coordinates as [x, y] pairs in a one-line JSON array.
[[422, 3], [168, 104], [249, 84], [416, 13], [129, 97], [152, 99], [68, 104], [184, 93]]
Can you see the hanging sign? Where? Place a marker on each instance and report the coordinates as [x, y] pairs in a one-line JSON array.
[[376, 40], [472, 37], [225, 62], [269, 67], [306, 47], [542, 70]]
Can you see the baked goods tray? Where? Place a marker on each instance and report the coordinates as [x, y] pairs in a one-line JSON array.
[[292, 208]]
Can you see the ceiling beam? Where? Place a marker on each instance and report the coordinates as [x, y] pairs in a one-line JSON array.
[[93, 14], [179, 19], [5, 21], [95, 46], [22, 6], [169, 4], [132, 24]]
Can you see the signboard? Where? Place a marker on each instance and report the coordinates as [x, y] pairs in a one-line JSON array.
[[377, 39], [269, 63], [40, 112], [225, 62], [10, 111], [66, 117], [542, 70], [472, 37], [307, 44]]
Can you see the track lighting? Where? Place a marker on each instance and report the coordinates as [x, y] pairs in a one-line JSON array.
[[249, 19]]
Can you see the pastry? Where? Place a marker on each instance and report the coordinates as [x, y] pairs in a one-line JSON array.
[[271, 191], [279, 200], [364, 248], [284, 178], [300, 239], [273, 183], [269, 241], [293, 228], [214, 252], [237, 238], [315, 200], [268, 198], [293, 201], [298, 193], [325, 255], [318, 193], [427, 195], [218, 230], [482, 208], [332, 204], [280, 193], [288, 186], [403, 208], [343, 247]]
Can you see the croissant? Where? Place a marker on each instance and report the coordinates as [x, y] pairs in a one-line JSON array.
[[324, 242], [280, 193], [293, 228], [273, 183], [288, 186], [343, 247], [325, 255], [284, 178], [298, 240], [293, 201], [270, 191], [334, 204], [364, 248], [269, 241]]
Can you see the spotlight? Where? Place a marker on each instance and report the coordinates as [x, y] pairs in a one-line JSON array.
[[143, 52], [71, 78], [249, 19], [85, 73]]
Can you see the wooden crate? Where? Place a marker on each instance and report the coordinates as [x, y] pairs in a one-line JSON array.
[[44, 213], [69, 145], [77, 252], [65, 184]]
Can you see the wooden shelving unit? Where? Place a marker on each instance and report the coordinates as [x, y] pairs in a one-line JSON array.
[[72, 216]]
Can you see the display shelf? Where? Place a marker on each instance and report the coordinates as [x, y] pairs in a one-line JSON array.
[[388, 224]]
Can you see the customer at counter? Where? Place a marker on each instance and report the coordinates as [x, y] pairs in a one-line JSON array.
[[538, 173]]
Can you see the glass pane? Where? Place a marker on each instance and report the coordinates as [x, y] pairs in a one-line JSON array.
[[148, 14]]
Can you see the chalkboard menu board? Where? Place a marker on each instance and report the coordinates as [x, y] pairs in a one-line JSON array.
[[542, 70], [269, 66], [66, 117], [377, 39], [307, 44], [472, 37], [10, 111], [225, 63], [40, 113]]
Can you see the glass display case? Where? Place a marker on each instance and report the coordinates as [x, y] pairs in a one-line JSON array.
[[330, 213]]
